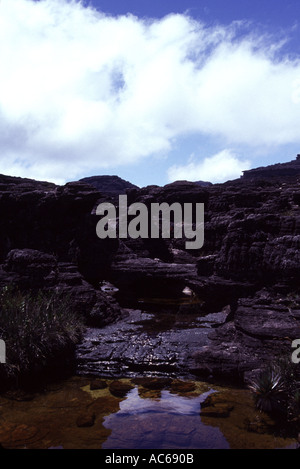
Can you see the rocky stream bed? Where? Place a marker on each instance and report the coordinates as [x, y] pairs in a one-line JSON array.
[[148, 343], [137, 413], [241, 312]]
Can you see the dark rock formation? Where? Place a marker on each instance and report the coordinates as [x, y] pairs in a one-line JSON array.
[[32, 270], [48, 240], [252, 244], [119, 388], [144, 344], [204, 183], [252, 233], [261, 331], [86, 420], [112, 186], [8, 183], [58, 220], [146, 276], [290, 169], [29, 268]]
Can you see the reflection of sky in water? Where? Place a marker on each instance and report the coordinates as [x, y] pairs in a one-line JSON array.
[[168, 422]]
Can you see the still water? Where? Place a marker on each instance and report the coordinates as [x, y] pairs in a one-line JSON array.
[[76, 414], [165, 422], [150, 350]]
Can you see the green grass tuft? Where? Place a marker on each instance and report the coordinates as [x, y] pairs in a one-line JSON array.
[[37, 328]]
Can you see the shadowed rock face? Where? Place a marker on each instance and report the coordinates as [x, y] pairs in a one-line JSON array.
[[252, 236], [260, 332], [48, 240], [54, 219], [290, 169], [112, 186], [33, 270], [252, 244]]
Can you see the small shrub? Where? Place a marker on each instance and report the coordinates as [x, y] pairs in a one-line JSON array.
[[276, 389], [268, 388]]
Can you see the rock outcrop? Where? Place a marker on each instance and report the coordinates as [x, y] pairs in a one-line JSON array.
[[291, 169], [48, 240], [32, 270], [112, 186], [55, 219], [249, 264], [260, 332], [252, 241]]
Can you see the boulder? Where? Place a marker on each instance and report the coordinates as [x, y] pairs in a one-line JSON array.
[[33, 270], [120, 388], [260, 331]]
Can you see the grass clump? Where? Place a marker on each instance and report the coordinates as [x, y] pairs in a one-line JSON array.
[[39, 329]]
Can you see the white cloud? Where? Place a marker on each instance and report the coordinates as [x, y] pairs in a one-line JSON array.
[[81, 91], [221, 167]]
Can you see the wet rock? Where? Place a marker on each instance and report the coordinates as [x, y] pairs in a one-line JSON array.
[[178, 386], [221, 411], [119, 388], [19, 435], [104, 405], [85, 420], [98, 384], [139, 346], [145, 275], [215, 405], [252, 241], [153, 383], [104, 311], [260, 331]]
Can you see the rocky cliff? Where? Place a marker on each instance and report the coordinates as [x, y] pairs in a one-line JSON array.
[[291, 169], [48, 240], [250, 261], [112, 186]]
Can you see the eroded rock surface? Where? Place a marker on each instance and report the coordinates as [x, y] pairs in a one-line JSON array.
[[261, 331], [252, 245]]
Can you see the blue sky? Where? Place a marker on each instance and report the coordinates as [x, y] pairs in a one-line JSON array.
[[277, 13], [152, 91]]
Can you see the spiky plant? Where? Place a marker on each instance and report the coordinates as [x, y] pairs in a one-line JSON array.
[[268, 389]]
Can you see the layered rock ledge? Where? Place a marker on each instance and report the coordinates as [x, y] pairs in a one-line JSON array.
[[249, 264]]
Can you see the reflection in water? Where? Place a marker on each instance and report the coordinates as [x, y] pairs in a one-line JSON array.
[[80, 413], [164, 422]]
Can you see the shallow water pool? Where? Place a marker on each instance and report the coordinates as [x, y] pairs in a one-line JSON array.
[[74, 414], [167, 421]]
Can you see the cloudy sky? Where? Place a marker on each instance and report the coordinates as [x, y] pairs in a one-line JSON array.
[[153, 91]]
